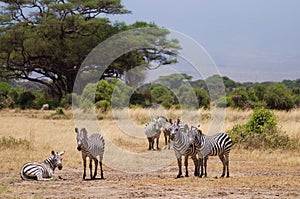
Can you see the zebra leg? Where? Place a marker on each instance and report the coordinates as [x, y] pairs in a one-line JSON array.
[[186, 166], [205, 165], [179, 167], [101, 171], [84, 168], [91, 173], [96, 166], [196, 163], [157, 142], [39, 176], [227, 165], [150, 143], [221, 156], [200, 164], [165, 134], [169, 142]]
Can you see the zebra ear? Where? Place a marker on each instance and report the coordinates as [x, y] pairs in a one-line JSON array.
[[53, 153], [170, 120], [61, 153], [83, 130], [76, 130], [178, 121]]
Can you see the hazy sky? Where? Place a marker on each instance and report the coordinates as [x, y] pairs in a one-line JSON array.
[[249, 40]]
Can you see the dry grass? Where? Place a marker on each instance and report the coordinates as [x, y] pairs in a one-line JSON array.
[[124, 129]]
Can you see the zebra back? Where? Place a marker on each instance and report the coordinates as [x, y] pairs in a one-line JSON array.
[[154, 128], [213, 145], [92, 146], [40, 170]]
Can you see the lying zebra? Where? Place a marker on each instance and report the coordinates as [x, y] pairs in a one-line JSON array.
[[42, 170], [214, 145]]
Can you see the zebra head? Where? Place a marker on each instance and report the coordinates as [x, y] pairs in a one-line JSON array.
[[193, 133], [174, 129], [81, 138], [57, 159]]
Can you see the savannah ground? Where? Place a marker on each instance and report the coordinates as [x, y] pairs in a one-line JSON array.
[[254, 173]]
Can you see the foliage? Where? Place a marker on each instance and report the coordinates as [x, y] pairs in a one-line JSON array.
[[188, 94], [279, 97], [26, 100], [52, 38], [223, 102], [261, 131], [59, 111]]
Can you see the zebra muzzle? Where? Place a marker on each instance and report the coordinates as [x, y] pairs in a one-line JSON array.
[[79, 148]]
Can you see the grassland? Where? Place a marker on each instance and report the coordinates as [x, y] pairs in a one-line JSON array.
[[254, 174]]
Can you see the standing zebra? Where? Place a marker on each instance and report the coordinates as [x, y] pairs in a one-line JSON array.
[[182, 145], [167, 137], [153, 130], [92, 147], [218, 144], [42, 170]]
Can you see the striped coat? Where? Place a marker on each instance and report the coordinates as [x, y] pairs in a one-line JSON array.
[[215, 145], [183, 146], [153, 130], [42, 170], [93, 147]]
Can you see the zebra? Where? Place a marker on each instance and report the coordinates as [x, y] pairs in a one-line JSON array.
[[167, 137], [42, 170], [215, 145], [153, 130], [182, 145], [92, 147]]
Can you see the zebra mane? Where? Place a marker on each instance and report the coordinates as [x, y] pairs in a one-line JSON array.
[[50, 161]]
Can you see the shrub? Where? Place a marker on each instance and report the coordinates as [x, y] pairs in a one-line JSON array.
[[260, 120], [261, 131], [104, 105], [26, 99], [279, 97], [59, 111]]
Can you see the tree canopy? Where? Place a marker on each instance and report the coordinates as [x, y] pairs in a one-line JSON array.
[[46, 41]]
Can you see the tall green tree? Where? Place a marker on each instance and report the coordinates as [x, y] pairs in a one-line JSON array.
[[46, 41]]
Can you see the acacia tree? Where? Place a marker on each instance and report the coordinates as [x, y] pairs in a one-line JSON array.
[[46, 41]]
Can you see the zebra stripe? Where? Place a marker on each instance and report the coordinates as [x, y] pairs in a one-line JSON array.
[[42, 170], [183, 146], [92, 147], [153, 130], [215, 145]]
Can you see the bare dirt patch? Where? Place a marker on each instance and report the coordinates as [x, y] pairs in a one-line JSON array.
[[160, 184]]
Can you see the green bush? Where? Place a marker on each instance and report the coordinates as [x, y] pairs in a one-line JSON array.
[[261, 120], [59, 111], [261, 131], [104, 105], [26, 100]]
